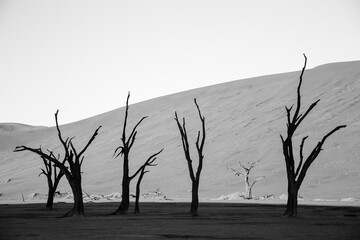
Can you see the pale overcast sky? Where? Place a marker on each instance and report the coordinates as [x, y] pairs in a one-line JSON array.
[[82, 57]]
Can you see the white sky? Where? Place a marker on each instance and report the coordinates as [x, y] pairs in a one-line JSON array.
[[82, 57]]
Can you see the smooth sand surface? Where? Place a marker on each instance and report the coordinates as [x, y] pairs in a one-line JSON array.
[[244, 120]]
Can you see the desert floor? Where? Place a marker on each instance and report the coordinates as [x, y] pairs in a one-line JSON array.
[[172, 221]]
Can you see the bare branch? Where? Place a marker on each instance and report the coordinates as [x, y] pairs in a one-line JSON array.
[[125, 120], [245, 168], [148, 162], [47, 167], [183, 136], [236, 173], [256, 181], [314, 153], [282, 139], [55, 172], [134, 130], [42, 172], [288, 114], [200, 149], [90, 141], [73, 149], [301, 156], [298, 104], [59, 135], [43, 155], [302, 117], [121, 148], [331, 132], [51, 153]]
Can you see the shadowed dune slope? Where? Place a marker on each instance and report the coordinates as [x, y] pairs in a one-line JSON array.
[[244, 120]]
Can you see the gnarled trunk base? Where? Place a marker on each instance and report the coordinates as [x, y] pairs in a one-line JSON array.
[[123, 208], [292, 203], [78, 208], [125, 200]]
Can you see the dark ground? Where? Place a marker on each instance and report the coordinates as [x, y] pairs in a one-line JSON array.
[[172, 221]]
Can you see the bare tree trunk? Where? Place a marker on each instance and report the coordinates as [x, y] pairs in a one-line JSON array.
[[195, 178], [78, 208], [247, 186], [137, 207], [50, 173], [195, 198], [292, 201], [51, 187], [52, 190], [296, 175], [125, 198], [246, 173], [149, 162], [124, 150], [70, 166], [125, 201], [50, 198]]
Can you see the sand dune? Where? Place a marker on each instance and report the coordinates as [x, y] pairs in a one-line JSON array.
[[17, 127], [244, 119]]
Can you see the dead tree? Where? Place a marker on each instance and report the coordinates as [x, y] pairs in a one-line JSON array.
[[70, 165], [246, 174], [53, 179], [296, 175], [150, 163], [124, 150], [195, 177]]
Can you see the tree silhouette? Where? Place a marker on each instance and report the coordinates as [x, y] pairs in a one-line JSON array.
[[150, 163], [246, 173], [70, 165], [124, 150], [53, 179], [295, 176], [195, 177]]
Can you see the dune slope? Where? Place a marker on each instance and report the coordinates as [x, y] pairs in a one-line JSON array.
[[244, 120]]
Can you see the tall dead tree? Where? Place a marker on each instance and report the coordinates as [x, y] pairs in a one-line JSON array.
[[246, 174], [70, 165], [124, 150], [195, 177], [53, 178], [150, 163], [296, 175]]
